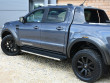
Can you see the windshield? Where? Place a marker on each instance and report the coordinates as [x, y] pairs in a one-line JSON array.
[[95, 16]]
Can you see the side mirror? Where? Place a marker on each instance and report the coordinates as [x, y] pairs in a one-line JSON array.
[[21, 19]]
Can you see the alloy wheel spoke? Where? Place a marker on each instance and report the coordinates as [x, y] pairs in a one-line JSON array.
[[82, 70], [12, 50], [80, 66], [89, 72], [90, 63], [91, 68], [86, 60], [83, 59], [9, 49], [85, 72], [80, 62]]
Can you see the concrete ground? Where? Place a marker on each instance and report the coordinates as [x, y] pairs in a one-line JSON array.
[[28, 68]]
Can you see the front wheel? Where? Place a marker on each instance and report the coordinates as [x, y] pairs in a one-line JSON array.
[[9, 46], [87, 65]]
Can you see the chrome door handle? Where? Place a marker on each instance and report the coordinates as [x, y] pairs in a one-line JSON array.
[[59, 28], [36, 27]]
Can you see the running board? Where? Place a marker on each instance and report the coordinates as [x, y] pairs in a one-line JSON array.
[[45, 54]]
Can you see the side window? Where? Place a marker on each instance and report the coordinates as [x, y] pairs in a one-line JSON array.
[[36, 16], [91, 15], [56, 15]]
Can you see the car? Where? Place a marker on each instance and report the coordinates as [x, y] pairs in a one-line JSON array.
[[60, 32]]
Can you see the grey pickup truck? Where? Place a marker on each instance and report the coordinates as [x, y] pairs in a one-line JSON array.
[[60, 32]]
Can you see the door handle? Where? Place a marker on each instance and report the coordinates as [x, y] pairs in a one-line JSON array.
[[36, 27], [59, 28], [17, 26]]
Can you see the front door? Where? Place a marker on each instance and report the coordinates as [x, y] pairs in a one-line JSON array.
[[53, 30], [29, 32]]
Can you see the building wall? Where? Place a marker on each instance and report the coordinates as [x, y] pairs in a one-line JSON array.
[[103, 4], [11, 10], [52, 1]]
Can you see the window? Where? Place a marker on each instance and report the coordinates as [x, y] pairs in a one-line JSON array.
[[56, 15], [95, 16], [103, 17], [36, 16], [91, 16]]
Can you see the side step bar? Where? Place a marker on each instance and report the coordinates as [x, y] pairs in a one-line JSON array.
[[45, 54]]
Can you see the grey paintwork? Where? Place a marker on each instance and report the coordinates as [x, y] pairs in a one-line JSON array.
[[74, 30]]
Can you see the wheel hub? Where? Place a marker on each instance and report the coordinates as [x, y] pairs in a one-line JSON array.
[[10, 46], [85, 66]]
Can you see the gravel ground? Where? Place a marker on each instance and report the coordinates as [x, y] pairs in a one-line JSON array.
[[26, 68]]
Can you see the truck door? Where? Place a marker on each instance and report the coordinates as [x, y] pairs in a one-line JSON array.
[[29, 32], [53, 29]]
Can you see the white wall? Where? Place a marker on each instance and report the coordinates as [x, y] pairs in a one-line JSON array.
[[46, 2], [53, 1], [32, 2], [11, 10]]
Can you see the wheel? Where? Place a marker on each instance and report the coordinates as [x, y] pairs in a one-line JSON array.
[[87, 65], [9, 46]]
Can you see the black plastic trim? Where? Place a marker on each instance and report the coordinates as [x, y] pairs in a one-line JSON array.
[[101, 49], [44, 52]]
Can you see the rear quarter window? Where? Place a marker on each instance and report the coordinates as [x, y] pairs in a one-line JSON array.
[[95, 16]]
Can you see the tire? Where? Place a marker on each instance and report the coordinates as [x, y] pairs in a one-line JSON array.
[[87, 65], [9, 47]]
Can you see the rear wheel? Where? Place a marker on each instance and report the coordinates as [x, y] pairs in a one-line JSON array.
[[9, 46], [87, 65]]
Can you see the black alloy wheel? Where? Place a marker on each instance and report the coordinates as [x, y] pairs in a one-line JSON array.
[[87, 65], [9, 46]]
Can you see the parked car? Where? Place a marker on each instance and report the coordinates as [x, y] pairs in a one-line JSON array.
[[77, 33]]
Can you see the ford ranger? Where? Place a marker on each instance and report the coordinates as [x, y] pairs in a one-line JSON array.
[[78, 33]]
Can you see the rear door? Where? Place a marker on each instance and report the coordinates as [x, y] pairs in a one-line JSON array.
[[53, 29]]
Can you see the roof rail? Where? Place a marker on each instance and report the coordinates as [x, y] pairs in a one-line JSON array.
[[70, 4], [55, 4]]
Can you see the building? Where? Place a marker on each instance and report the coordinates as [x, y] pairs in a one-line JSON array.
[[103, 4], [13, 9]]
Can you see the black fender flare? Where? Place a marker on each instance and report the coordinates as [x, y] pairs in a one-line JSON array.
[[97, 42], [5, 30], [12, 33]]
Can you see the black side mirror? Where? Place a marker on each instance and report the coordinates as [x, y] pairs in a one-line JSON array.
[[21, 19]]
